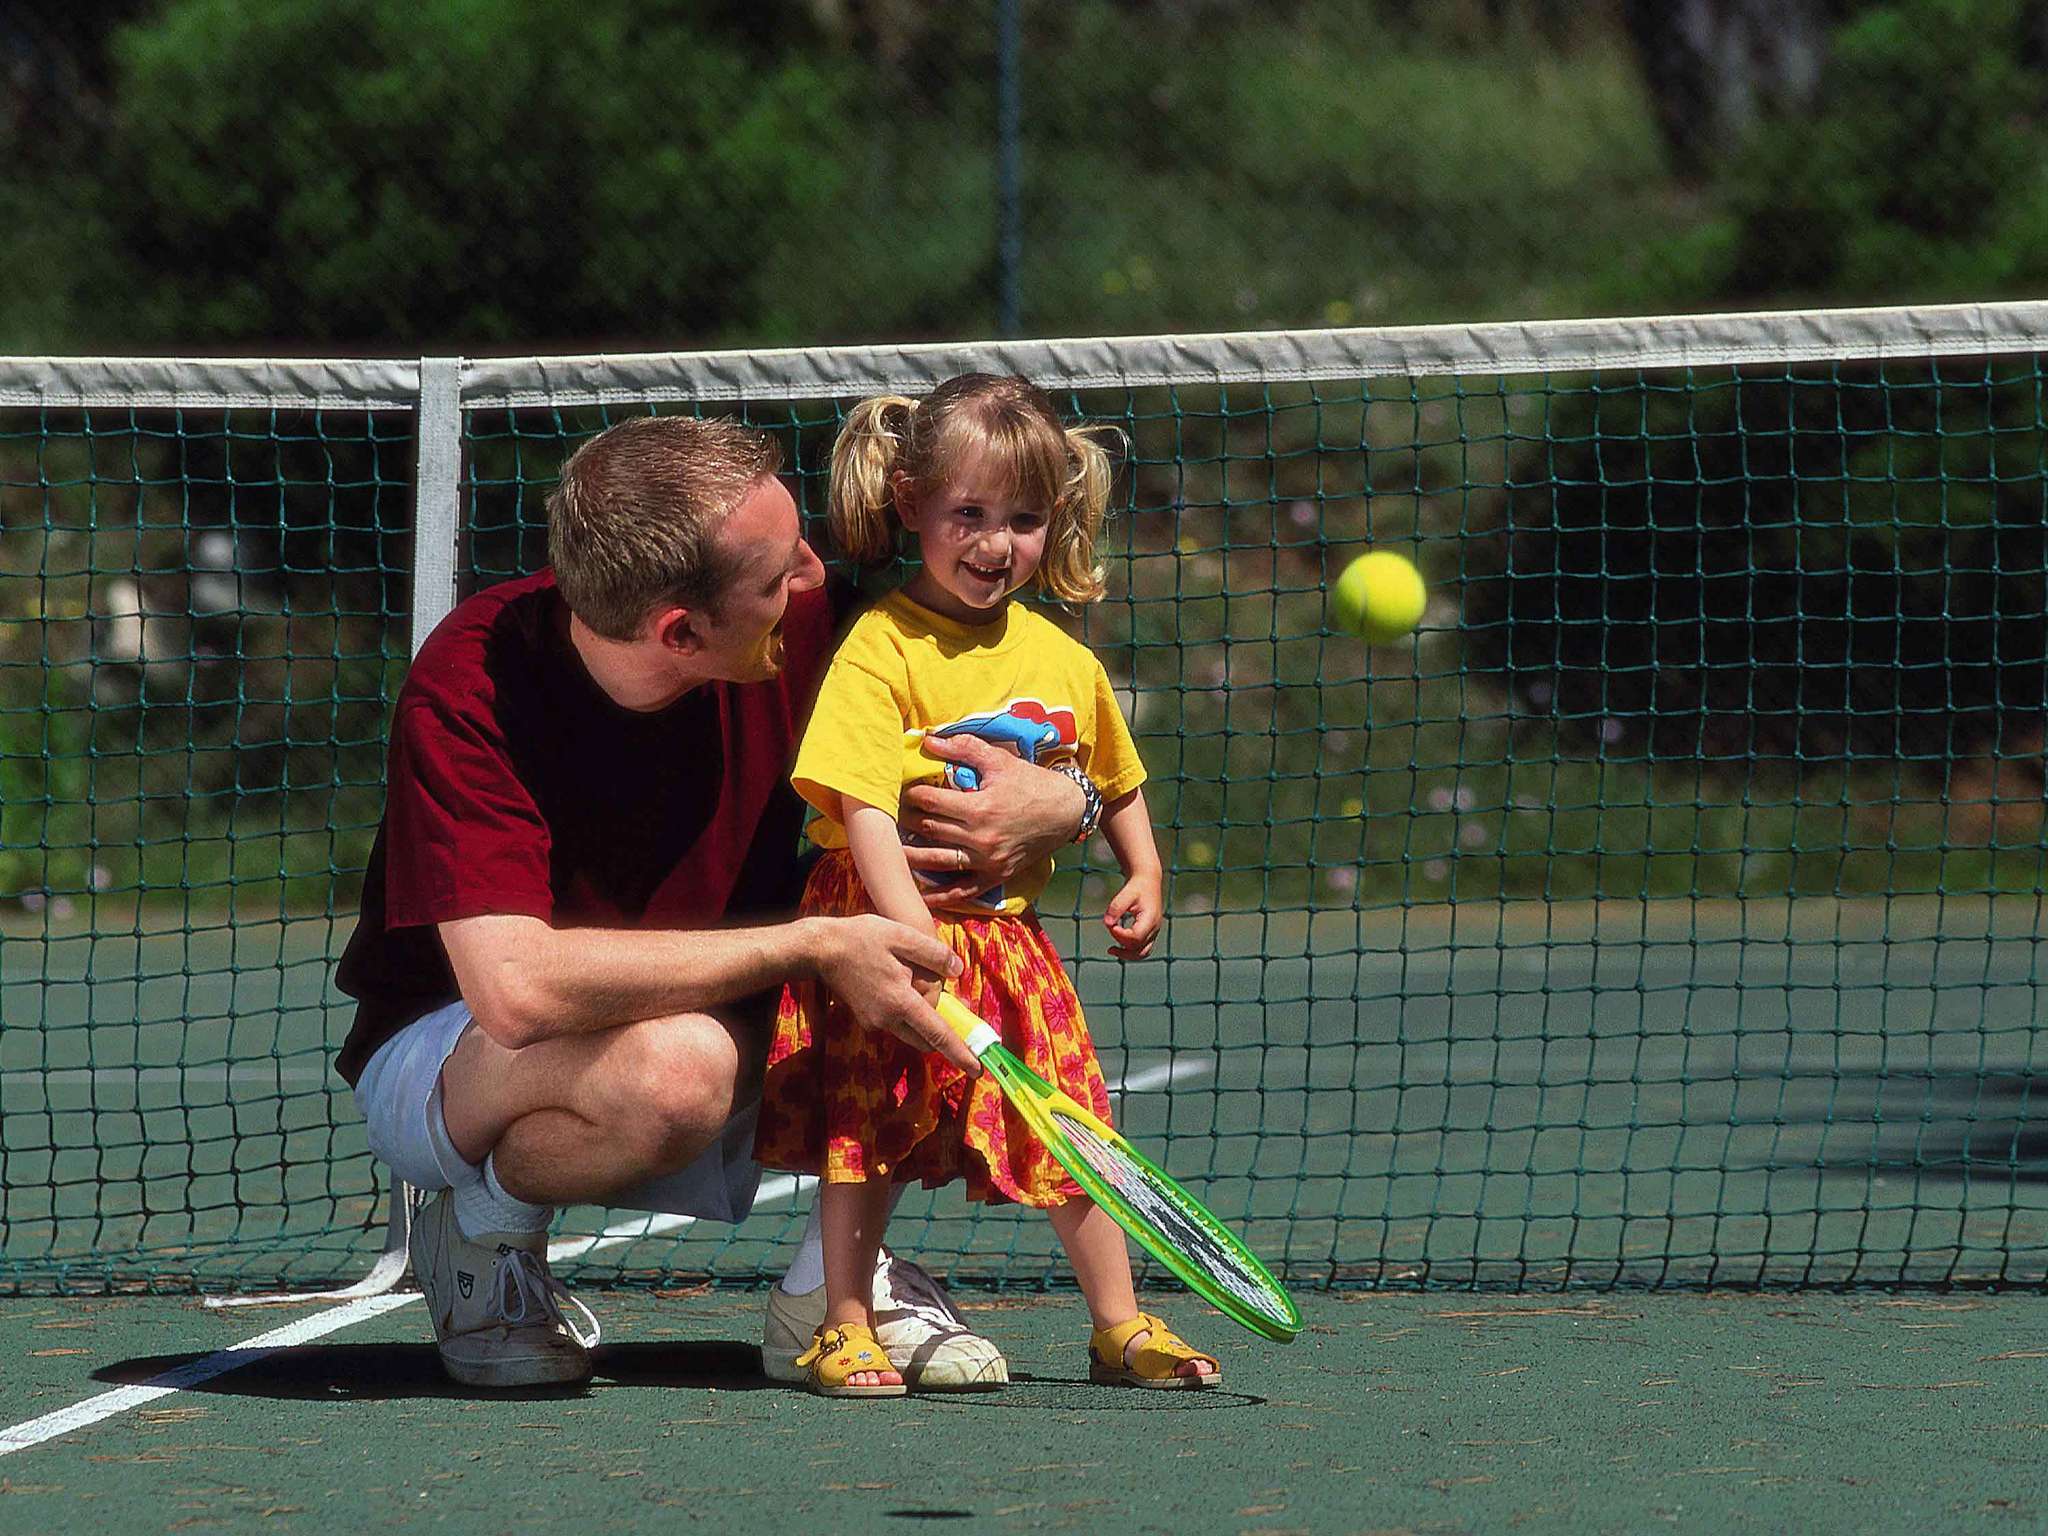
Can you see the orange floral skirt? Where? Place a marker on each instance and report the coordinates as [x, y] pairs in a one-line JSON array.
[[851, 1104]]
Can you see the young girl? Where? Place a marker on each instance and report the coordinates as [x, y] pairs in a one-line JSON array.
[[997, 496]]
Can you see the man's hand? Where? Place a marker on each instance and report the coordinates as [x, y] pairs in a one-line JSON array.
[[879, 970], [1021, 815]]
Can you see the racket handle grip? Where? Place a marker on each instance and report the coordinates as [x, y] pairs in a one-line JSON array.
[[974, 1030]]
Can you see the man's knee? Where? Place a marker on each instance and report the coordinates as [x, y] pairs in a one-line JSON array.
[[682, 1077]]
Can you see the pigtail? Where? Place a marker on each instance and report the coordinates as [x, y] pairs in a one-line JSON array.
[[1070, 570], [860, 508]]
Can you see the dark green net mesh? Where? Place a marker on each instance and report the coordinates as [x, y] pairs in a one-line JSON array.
[[1667, 911]]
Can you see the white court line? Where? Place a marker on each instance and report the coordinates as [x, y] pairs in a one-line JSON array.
[[81, 1415], [109, 1405], [1159, 1076]]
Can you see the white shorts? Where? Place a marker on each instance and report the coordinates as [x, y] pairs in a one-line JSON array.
[[400, 1097]]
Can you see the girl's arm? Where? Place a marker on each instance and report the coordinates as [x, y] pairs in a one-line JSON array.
[[1136, 911], [877, 849]]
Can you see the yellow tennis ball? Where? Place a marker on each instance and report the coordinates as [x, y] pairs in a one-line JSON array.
[[1379, 596]]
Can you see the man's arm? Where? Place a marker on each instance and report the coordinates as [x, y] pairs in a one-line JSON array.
[[525, 981], [1021, 815]]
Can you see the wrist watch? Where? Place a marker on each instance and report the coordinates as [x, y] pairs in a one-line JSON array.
[[1091, 799]]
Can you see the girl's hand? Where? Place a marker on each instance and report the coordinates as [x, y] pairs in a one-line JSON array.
[[1134, 916]]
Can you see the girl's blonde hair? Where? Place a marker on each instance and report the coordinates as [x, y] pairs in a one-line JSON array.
[[1006, 425]]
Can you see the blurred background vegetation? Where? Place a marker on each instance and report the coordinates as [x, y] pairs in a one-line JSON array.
[[1825, 591], [412, 175]]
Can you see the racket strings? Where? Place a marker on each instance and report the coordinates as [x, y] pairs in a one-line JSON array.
[[1163, 1208]]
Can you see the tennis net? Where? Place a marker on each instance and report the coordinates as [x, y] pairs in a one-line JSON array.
[[1666, 912]]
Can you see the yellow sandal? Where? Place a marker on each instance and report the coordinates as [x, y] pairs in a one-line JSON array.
[[837, 1353], [1155, 1360]]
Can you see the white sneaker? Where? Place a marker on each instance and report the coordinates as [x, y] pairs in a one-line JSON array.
[[497, 1310], [915, 1323]]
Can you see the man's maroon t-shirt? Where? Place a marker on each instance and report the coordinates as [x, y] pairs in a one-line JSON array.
[[517, 786]]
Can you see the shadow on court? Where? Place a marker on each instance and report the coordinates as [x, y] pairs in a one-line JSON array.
[[1994, 1125], [385, 1372], [394, 1372], [1433, 1412], [1051, 1394]]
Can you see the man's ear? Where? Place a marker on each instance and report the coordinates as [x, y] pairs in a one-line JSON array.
[[680, 630]]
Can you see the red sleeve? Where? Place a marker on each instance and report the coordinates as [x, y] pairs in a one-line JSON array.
[[463, 837]]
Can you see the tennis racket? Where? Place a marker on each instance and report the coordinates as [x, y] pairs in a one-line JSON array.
[[1168, 1222]]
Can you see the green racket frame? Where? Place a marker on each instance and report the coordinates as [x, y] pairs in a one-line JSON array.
[[1034, 1098]]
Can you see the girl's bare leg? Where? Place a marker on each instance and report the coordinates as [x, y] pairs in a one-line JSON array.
[[852, 1218], [1102, 1263]]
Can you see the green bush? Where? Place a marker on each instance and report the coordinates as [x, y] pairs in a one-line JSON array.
[[1774, 572], [1922, 173], [391, 170]]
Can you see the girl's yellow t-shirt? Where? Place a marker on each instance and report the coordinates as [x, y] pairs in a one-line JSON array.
[[903, 672]]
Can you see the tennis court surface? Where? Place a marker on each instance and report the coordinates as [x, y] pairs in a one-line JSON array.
[[1435, 1412], [1611, 1011]]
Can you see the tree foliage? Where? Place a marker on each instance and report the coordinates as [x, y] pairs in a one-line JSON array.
[[1782, 568], [372, 174], [1921, 173], [325, 173], [1820, 565]]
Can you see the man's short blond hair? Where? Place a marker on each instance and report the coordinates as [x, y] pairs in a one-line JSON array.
[[633, 526]]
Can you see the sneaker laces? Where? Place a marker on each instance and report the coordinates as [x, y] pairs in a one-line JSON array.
[[529, 1293], [913, 1292]]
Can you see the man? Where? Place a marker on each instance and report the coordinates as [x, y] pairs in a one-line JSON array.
[[571, 937]]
